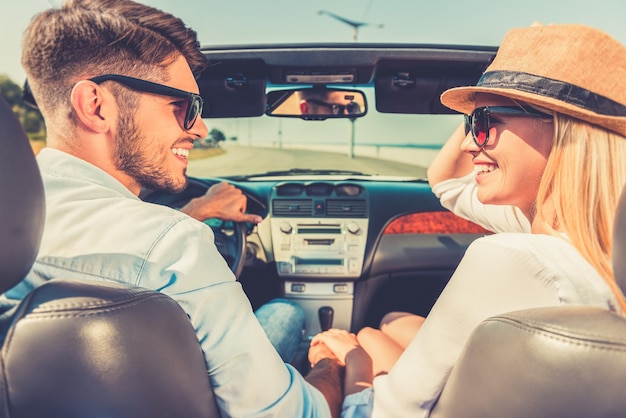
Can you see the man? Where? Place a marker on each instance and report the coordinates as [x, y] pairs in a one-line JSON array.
[[327, 102], [115, 82]]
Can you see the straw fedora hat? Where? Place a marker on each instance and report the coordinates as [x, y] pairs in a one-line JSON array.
[[571, 69]]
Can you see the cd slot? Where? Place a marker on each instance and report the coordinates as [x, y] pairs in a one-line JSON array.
[[318, 230], [318, 261], [312, 241]]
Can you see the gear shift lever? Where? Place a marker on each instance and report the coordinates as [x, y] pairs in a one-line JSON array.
[[325, 314]]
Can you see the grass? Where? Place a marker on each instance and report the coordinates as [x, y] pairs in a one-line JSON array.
[[198, 153]]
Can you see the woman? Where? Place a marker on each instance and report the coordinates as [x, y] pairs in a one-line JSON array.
[[546, 140], [452, 178]]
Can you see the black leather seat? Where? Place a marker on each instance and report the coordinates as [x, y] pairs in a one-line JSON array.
[[84, 349], [567, 361]]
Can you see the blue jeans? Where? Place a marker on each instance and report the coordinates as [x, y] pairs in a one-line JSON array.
[[283, 322]]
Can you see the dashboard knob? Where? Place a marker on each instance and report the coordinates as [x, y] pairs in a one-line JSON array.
[[353, 228], [286, 228]]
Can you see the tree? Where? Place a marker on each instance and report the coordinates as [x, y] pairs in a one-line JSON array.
[[217, 136], [11, 92], [32, 121], [30, 118]]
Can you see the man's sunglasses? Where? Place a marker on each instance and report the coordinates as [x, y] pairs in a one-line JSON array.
[[351, 108], [479, 123], [194, 101]]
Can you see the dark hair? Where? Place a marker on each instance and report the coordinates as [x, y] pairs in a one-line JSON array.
[[92, 37], [167, 25]]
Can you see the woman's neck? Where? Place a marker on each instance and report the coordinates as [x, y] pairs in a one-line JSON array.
[[547, 222]]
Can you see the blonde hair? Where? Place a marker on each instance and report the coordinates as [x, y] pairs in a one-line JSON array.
[[584, 177]]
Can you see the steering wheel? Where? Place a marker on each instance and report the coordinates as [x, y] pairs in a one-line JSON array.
[[230, 237], [230, 240]]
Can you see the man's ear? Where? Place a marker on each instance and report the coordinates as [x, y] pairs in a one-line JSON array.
[[92, 106]]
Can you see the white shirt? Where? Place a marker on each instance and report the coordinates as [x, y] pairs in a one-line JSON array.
[[97, 229], [499, 273]]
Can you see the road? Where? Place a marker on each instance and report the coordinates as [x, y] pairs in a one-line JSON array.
[[249, 160]]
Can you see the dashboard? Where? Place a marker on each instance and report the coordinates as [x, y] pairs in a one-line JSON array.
[[319, 229], [346, 250]]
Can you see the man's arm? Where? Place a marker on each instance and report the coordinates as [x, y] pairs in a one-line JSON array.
[[451, 161], [341, 348], [326, 376], [223, 201]]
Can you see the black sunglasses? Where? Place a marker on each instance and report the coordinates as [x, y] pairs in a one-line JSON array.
[[194, 101], [479, 123], [351, 108]]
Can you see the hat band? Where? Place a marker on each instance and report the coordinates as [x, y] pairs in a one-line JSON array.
[[553, 89]]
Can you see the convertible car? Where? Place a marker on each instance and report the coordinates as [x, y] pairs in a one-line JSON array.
[[330, 143]]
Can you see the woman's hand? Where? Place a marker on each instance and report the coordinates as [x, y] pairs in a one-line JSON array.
[[344, 345], [339, 341]]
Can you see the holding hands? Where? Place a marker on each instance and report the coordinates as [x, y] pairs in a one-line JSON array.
[[345, 347], [337, 341]]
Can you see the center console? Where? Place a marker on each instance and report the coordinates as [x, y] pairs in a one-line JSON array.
[[319, 233], [319, 248]]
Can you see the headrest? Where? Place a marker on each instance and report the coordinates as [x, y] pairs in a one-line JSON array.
[[22, 204], [619, 243]]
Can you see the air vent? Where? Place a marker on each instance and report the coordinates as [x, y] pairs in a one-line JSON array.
[[290, 189], [347, 189], [319, 189], [292, 207], [346, 208]]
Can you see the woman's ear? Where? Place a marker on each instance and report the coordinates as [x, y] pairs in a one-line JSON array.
[[92, 106]]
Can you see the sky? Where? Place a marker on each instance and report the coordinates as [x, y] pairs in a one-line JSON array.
[[220, 22], [224, 22]]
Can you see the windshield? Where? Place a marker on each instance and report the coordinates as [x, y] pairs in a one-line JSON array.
[[397, 146]]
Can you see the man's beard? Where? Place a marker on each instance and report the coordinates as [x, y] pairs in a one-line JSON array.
[[134, 156]]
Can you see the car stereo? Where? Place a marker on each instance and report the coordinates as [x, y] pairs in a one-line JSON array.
[[305, 247], [319, 229]]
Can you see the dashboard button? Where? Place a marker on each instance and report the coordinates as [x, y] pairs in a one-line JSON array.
[[340, 288], [298, 287]]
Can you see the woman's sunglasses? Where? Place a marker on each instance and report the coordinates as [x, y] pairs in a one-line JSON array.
[[479, 123], [194, 101]]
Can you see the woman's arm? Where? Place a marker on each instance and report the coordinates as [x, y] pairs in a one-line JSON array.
[[451, 161]]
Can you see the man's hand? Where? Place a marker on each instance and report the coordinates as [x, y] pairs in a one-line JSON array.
[[223, 201], [319, 352]]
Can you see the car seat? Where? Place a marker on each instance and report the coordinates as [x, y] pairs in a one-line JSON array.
[[79, 348], [566, 361]]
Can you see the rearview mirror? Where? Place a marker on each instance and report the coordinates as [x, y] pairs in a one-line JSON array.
[[316, 103]]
